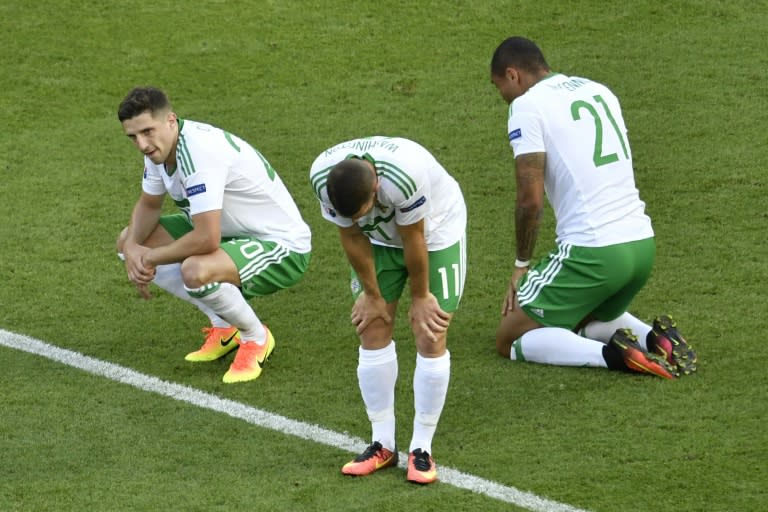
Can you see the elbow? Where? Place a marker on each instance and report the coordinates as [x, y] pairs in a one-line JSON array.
[[530, 203], [206, 243], [529, 209], [209, 245]]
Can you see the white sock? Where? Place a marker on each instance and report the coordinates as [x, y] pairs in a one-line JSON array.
[[376, 375], [227, 301], [430, 386], [557, 346], [168, 277], [602, 331]]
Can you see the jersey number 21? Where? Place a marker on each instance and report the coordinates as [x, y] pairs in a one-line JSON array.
[[597, 156]]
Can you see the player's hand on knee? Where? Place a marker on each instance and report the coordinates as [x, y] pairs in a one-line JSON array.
[[368, 308], [511, 298], [428, 317]]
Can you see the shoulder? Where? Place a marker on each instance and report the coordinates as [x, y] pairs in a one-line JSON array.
[[406, 170], [406, 154], [333, 155], [320, 169], [189, 128], [203, 135], [194, 136]]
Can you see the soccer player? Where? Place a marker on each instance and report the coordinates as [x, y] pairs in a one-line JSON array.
[[239, 234], [570, 144], [401, 217]]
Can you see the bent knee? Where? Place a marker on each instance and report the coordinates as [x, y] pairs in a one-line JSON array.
[[503, 345], [194, 273], [120, 242]]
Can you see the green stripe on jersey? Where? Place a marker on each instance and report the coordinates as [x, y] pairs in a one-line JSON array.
[[184, 158], [397, 176], [271, 172], [228, 136], [319, 180]]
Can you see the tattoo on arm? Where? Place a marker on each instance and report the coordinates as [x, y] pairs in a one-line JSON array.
[[526, 231], [529, 206]]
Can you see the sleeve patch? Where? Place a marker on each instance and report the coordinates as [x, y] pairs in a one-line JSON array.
[[515, 134], [420, 201], [197, 189]]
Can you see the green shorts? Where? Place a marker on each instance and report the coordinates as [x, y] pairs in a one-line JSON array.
[[264, 266], [447, 273], [574, 282]]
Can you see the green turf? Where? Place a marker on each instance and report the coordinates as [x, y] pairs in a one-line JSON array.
[[294, 78]]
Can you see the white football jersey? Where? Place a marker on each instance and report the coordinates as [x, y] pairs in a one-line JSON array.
[[412, 186], [589, 178], [216, 170]]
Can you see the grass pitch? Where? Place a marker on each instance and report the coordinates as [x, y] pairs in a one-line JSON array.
[[294, 78]]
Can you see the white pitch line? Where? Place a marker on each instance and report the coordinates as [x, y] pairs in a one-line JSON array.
[[266, 419]]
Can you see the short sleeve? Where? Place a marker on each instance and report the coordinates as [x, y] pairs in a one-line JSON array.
[[152, 183], [205, 190], [525, 129]]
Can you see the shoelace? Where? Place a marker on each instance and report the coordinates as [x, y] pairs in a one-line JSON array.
[[208, 339], [369, 452], [421, 460]]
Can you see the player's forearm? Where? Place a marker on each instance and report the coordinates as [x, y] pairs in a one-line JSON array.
[[194, 243], [144, 219], [359, 253], [416, 256], [529, 203], [527, 220], [417, 263]]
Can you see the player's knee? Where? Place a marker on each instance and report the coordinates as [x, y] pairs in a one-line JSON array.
[[121, 240], [194, 273], [377, 335], [503, 344], [431, 347]]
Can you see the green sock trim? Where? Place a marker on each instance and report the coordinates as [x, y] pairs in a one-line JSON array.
[[517, 345], [204, 290]]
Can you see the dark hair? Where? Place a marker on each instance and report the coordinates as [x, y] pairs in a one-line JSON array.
[[140, 100], [518, 52], [350, 185]]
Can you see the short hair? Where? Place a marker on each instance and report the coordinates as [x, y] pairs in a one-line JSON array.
[[140, 100], [350, 185], [518, 52]]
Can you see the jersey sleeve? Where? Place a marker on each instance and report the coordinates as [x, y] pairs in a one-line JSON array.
[[204, 177], [205, 189], [525, 128], [152, 183], [318, 175], [329, 214], [408, 192]]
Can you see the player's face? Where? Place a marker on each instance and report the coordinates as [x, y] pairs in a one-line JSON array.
[[155, 136], [508, 84], [366, 208], [368, 205]]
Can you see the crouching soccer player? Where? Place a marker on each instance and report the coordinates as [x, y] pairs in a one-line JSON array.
[[239, 234]]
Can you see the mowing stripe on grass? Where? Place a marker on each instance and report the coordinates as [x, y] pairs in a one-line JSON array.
[[266, 419]]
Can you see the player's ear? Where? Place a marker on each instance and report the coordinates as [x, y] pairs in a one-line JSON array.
[[513, 74], [375, 182]]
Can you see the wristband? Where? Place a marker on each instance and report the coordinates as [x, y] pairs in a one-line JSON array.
[[522, 263]]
